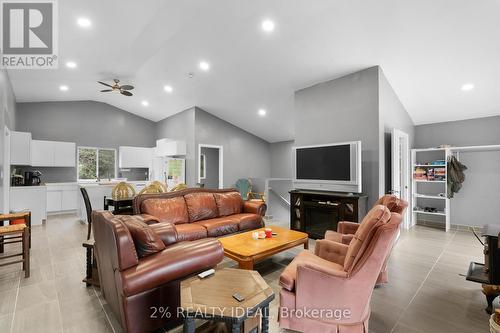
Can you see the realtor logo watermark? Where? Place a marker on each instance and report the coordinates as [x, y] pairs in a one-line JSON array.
[[29, 34]]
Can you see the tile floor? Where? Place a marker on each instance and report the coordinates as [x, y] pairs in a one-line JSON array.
[[426, 292]]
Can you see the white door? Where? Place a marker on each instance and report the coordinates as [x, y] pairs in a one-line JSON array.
[[401, 169], [6, 171]]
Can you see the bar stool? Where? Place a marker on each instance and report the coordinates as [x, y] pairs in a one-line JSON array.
[[16, 233]]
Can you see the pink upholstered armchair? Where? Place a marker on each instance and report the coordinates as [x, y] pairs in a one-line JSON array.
[[330, 291], [346, 230]]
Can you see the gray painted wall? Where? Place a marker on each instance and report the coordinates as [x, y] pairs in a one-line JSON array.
[[181, 127], [344, 109], [392, 115], [282, 159], [211, 167], [7, 118], [477, 201], [87, 123], [244, 154]]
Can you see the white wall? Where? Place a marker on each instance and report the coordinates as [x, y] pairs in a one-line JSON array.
[[7, 118]]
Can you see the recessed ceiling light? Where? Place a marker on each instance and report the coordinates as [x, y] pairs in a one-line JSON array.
[[262, 112], [84, 22], [71, 64], [267, 25], [468, 87], [145, 103], [63, 88], [205, 66], [168, 89]]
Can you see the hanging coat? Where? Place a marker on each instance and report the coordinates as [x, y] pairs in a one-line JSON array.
[[456, 176]]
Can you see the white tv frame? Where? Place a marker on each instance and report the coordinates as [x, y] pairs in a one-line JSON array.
[[351, 186]]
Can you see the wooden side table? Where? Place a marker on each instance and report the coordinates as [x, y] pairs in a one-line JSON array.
[[212, 299]]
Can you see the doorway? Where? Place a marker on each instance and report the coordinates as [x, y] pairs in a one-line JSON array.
[[400, 160], [210, 166]]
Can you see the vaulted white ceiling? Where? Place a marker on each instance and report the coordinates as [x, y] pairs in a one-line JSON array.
[[428, 49]]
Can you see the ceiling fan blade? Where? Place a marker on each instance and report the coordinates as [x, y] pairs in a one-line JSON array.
[[126, 93], [106, 90], [105, 84], [116, 80], [127, 87]]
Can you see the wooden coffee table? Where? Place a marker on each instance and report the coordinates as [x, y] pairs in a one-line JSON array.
[[247, 251], [212, 299]]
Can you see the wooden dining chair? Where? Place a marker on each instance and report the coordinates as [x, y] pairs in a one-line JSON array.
[[16, 233], [88, 208]]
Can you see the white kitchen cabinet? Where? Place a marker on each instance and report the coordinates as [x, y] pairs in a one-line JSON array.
[[42, 153], [54, 199], [64, 154], [168, 147], [20, 148], [32, 198], [53, 153], [62, 197], [69, 200], [134, 157]]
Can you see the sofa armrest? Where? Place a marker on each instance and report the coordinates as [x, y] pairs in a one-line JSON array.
[[175, 262], [166, 231], [331, 251], [255, 207], [148, 219], [345, 227]]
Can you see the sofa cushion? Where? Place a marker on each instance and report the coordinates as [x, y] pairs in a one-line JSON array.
[[201, 206], [377, 216], [190, 231], [220, 226], [248, 221], [171, 210], [166, 232], [146, 241], [228, 203], [289, 274]]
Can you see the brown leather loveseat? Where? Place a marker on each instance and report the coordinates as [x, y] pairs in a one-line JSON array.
[[141, 266], [200, 213]]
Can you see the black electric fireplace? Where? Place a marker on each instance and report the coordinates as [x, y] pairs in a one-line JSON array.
[[315, 212]]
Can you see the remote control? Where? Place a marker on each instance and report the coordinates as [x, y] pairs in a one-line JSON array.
[[238, 297], [204, 274]]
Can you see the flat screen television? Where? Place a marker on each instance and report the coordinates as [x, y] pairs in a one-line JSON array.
[[332, 167]]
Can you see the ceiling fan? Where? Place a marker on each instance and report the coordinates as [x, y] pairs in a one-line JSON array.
[[122, 89]]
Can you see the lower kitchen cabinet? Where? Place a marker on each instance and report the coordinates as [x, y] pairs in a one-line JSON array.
[[62, 197], [32, 198]]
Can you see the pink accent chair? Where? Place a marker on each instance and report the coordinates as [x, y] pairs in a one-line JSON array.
[[330, 291], [346, 230]]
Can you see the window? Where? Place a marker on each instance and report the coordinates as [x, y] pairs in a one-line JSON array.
[[96, 163]]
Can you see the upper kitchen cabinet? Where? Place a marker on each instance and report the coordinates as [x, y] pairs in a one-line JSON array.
[[20, 148], [168, 147], [53, 153], [64, 154], [134, 157]]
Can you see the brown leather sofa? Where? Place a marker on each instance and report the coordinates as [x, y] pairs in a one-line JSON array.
[[141, 266], [198, 213]]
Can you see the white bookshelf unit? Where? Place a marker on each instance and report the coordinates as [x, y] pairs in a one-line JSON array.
[[430, 193]]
